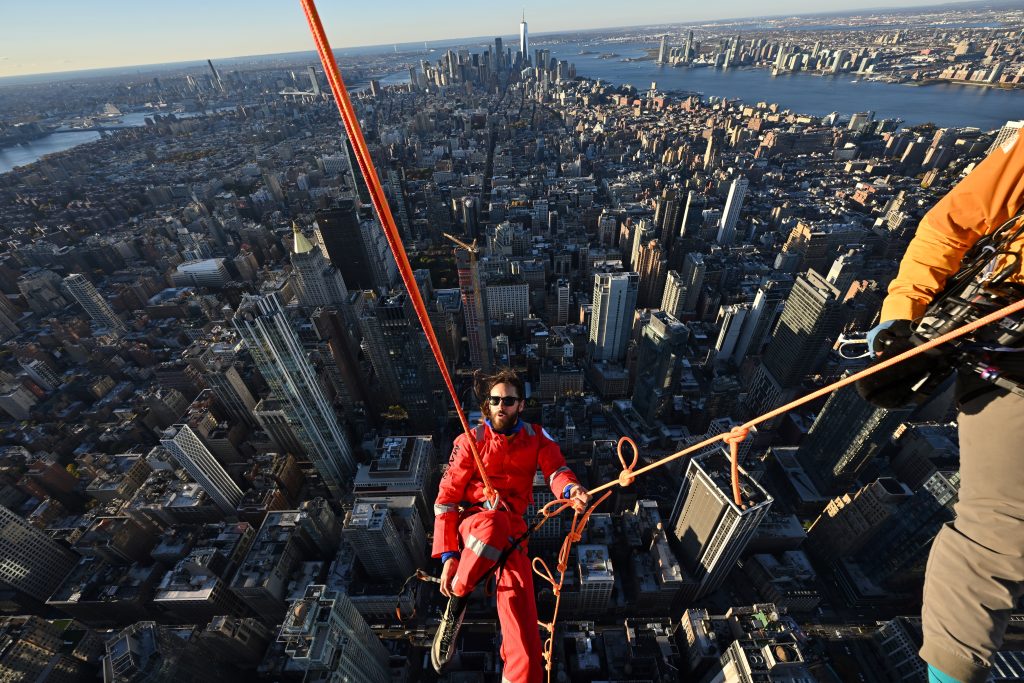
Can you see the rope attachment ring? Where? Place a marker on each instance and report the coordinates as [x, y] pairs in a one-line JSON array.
[[626, 476]]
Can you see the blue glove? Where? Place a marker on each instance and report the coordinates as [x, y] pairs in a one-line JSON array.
[[873, 333]]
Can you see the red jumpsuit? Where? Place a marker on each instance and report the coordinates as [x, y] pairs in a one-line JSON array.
[[511, 463]]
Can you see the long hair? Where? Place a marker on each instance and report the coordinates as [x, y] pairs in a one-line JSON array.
[[482, 385]]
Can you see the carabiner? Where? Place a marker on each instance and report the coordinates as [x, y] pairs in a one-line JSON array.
[[845, 341]]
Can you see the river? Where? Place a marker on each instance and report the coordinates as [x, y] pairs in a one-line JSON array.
[[22, 155], [942, 104]]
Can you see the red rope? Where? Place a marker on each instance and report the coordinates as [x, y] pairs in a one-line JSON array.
[[380, 203]]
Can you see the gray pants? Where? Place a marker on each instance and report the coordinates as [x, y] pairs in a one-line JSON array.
[[975, 572]]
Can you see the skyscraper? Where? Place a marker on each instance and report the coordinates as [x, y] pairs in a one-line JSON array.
[[273, 418], [614, 301], [387, 534], [643, 232], [812, 314], [32, 563], [341, 237], [314, 84], [731, 321], [397, 348], [499, 54], [712, 530], [731, 215], [845, 436], [89, 299], [712, 150], [673, 299], [286, 539], [895, 556], [849, 520], [562, 292], [318, 282], [382, 262], [597, 578], [663, 50], [216, 365], [524, 41], [1009, 131], [651, 266], [694, 269], [473, 308], [196, 459], [668, 215], [278, 352], [325, 635], [659, 359]]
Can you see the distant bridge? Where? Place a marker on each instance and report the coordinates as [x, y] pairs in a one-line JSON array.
[[97, 129]]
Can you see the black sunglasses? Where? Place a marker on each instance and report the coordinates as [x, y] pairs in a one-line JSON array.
[[503, 400]]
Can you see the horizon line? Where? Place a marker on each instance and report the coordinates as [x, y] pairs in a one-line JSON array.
[[41, 76]]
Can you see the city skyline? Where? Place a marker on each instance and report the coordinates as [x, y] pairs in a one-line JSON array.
[[161, 35]]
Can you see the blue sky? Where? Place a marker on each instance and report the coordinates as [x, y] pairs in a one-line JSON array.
[[66, 35]]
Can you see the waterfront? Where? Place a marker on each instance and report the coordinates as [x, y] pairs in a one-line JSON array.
[[22, 155], [942, 104]]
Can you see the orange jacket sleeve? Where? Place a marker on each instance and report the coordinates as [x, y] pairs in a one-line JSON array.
[[449, 494], [980, 203], [552, 465]]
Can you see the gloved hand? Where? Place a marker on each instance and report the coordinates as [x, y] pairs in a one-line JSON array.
[[908, 381], [874, 332]]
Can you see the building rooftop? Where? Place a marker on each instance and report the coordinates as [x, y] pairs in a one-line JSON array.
[[595, 565]]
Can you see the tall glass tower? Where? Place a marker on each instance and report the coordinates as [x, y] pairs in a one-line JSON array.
[[614, 301], [524, 41], [278, 352], [193, 455], [89, 299]]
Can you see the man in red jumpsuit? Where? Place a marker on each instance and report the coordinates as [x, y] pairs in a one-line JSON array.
[[469, 537]]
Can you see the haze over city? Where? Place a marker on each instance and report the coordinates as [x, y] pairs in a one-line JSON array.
[[71, 36]]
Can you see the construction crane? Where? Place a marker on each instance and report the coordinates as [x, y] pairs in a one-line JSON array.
[[473, 305]]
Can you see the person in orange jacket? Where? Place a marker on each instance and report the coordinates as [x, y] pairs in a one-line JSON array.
[[470, 536], [975, 572]]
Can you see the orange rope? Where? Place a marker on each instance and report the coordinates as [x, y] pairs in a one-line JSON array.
[[846, 381], [387, 221], [579, 523]]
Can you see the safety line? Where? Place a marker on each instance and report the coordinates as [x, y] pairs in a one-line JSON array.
[[387, 221], [846, 381]]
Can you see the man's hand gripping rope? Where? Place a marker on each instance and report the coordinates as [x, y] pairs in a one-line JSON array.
[[581, 516]]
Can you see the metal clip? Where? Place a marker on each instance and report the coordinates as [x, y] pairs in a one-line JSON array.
[[851, 340]]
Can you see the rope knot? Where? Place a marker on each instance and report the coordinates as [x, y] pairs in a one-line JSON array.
[[626, 478], [736, 435]]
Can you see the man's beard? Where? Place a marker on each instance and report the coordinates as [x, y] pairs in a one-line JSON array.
[[502, 421]]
